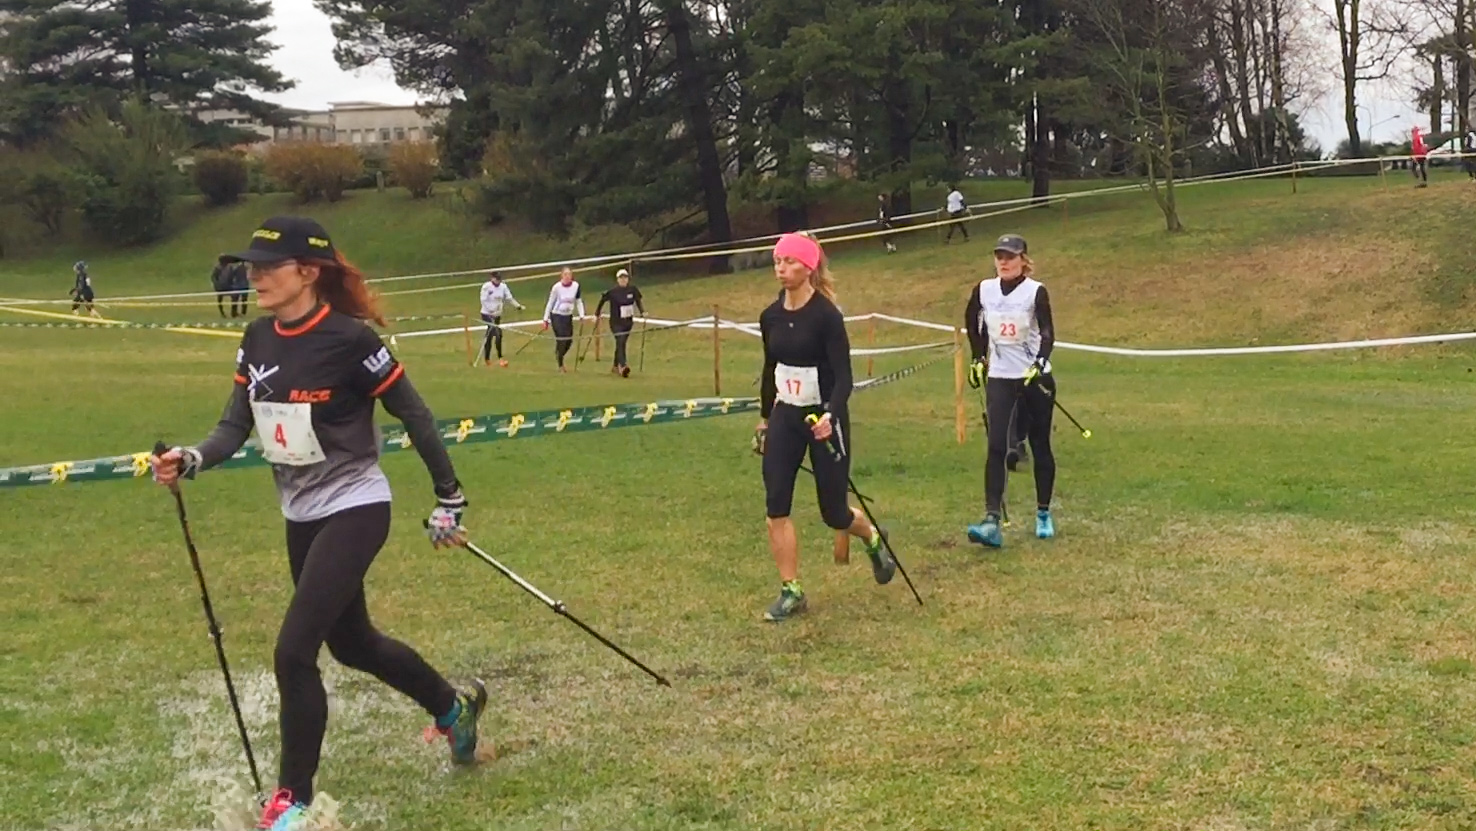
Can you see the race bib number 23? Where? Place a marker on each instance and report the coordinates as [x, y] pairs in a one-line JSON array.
[[286, 433]]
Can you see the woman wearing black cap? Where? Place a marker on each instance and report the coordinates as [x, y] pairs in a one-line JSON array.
[[307, 377], [1008, 319], [625, 301]]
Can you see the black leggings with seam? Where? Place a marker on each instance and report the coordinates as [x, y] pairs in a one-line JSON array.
[[786, 441], [329, 558], [621, 336], [494, 335], [1014, 410], [563, 329]]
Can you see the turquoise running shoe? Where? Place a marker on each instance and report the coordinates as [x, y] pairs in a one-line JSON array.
[[462, 734], [1044, 527], [987, 533], [282, 812]]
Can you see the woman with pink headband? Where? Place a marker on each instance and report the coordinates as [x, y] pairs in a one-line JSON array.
[[806, 385]]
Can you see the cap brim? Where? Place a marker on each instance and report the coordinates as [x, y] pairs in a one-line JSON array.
[[249, 256]]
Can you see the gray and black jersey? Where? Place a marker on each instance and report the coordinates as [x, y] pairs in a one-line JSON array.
[[308, 388]]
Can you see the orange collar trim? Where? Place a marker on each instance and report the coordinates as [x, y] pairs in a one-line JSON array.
[[301, 328]]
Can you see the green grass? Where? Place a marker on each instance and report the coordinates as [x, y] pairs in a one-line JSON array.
[[1256, 616]]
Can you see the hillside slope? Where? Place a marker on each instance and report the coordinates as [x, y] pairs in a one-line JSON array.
[[1340, 258]]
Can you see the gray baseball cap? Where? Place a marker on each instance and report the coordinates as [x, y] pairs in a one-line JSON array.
[[1013, 243]]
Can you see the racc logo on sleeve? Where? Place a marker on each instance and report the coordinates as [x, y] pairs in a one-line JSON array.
[[378, 363]]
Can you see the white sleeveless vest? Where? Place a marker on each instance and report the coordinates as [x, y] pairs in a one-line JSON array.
[[1009, 321]]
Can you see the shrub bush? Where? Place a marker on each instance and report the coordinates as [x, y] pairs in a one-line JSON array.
[[126, 169], [414, 165], [220, 176], [314, 171]]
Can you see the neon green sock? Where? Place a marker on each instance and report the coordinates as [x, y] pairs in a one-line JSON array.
[[793, 587]]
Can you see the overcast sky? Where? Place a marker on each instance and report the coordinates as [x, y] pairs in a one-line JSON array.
[[306, 56]]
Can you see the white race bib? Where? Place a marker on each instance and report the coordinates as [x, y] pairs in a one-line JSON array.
[[627, 312], [798, 385], [1008, 328], [286, 433]]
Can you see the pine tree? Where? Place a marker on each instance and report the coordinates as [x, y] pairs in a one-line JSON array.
[[66, 55]]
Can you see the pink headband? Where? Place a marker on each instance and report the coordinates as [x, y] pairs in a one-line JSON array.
[[801, 248]]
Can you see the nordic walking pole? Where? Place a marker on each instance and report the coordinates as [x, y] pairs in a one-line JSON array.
[[1085, 433], [577, 338], [558, 607], [593, 336], [525, 345], [866, 509], [645, 324], [215, 633]]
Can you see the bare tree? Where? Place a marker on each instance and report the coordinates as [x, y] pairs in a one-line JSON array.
[[1371, 36], [1145, 51]]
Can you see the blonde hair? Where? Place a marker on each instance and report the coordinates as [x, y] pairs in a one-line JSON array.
[[1029, 268], [821, 279]]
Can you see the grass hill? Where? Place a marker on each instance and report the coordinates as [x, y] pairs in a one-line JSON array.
[[1256, 613]]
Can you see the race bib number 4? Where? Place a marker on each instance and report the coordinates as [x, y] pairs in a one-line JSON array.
[[1008, 327], [798, 385], [286, 433]]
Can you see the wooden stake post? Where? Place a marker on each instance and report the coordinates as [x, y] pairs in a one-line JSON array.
[[717, 353]]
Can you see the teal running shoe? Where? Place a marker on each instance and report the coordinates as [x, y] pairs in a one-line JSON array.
[[1044, 527], [462, 734], [282, 812], [987, 533]]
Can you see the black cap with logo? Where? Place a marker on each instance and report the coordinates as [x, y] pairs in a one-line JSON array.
[[286, 238], [1013, 243]]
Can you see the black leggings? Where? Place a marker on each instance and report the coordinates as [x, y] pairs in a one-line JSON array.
[[621, 336], [563, 328], [957, 225], [494, 335], [787, 440], [329, 558], [1015, 409], [238, 303]]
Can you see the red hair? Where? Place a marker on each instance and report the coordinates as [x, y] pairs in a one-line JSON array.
[[342, 285]]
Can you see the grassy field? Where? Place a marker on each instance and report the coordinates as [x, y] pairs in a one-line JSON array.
[[1257, 614]]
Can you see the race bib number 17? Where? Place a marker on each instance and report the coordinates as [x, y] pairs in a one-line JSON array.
[[286, 433]]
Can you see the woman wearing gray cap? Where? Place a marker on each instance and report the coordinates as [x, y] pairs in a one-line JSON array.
[[1008, 319]]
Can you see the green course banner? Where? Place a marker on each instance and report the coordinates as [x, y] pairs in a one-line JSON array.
[[483, 428]]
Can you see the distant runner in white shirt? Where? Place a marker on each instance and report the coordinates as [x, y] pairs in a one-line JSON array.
[[495, 294], [957, 210], [563, 301]]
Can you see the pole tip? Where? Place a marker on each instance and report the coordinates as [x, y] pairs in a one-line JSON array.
[[1086, 434]]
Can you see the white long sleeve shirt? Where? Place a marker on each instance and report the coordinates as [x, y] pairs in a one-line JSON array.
[[563, 300], [494, 296]]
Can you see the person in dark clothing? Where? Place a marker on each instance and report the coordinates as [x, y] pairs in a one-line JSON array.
[[806, 387], [884, 219], [1011, 334], [221, 279], [239, 284], [81, 293], [307, 378], [625, 301]]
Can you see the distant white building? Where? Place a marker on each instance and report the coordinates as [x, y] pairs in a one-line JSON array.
[[363, 124]]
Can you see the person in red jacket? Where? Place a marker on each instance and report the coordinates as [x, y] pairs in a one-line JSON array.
[[1418, 153]]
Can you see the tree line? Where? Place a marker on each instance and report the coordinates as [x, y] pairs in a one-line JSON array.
[[637, 111]]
